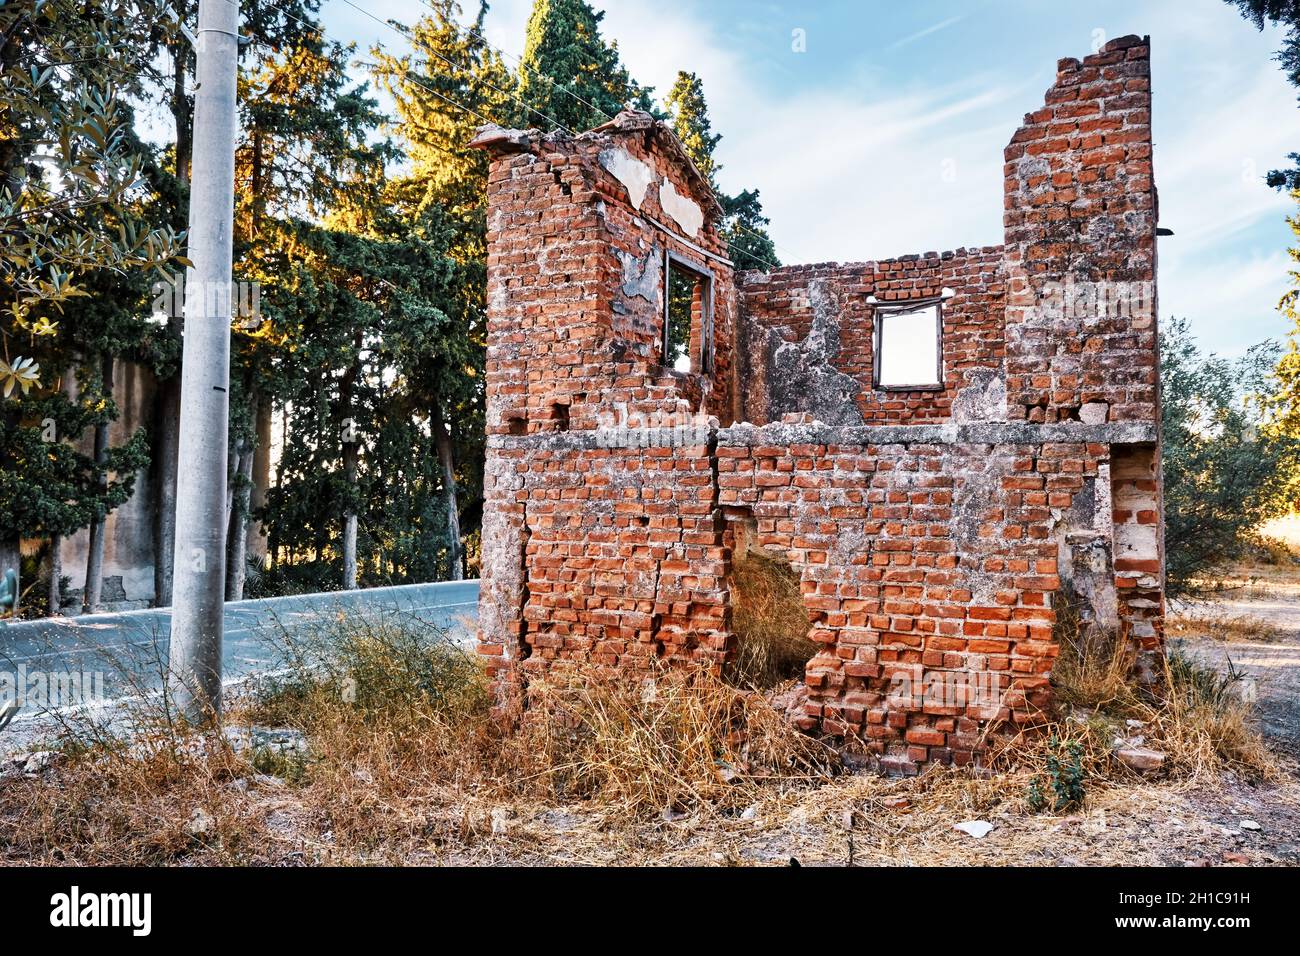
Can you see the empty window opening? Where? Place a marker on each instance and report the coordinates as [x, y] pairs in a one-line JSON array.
[[688, 316], [909, 345]]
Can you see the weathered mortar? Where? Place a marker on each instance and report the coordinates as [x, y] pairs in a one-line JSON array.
[[935, 531]]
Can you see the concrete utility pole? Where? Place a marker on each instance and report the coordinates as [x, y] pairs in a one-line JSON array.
[[199, 568]]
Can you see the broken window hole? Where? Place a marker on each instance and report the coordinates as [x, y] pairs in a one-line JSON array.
[[688, 315], [769, 621]]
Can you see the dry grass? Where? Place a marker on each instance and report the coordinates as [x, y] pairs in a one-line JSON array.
[[407, 763], [679, 740], [770, 622], [1197, 717], [1222, 626], [109, 804], [405, 752]]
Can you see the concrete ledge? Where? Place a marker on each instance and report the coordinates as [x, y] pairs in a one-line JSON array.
[[745, 435], [980, 433]]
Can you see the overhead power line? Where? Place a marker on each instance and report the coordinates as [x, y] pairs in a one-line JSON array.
[[406, 33]]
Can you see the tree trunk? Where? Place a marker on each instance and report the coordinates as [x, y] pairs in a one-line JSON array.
[[237, 536], [182, 111], [54, 596], [90, 594], [274, 538], [167, 417], [350, 521], [446, 457], [11, 557], [351, 442], [261, 477], [167, 404]]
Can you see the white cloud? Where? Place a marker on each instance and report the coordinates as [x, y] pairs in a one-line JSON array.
[[844, 173], [1232, 300], [912, 37], [1210, 168], [864, 162]]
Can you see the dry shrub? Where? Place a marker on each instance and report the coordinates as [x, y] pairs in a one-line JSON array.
[[1206, 724], [680, 739], [389, 666], [1269, 549], [1194, 715], [770, 623], [1093, 668], [417, 733], [398, 720]]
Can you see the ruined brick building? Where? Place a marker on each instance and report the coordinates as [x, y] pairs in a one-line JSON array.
[[947, 447]]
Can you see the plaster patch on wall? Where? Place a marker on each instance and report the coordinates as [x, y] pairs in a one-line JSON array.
[[637, 304], [628, 170], [683, 209], [641, 274], [983, 399], [977, 517], [802, 377]]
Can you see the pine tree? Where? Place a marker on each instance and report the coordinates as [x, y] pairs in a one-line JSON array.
[[745, 228], [451, 83], [568, 72], [691, 123], [270, 27], [743, 225]]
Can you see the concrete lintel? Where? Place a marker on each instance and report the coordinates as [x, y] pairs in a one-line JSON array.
[[976, 433], [498, 139], [746, 435]]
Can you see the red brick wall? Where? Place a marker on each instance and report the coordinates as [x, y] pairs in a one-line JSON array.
[[777, 307], [561, 327], [586, 548], [936, 533], [625, 564], [1081, 221], [920, 562]]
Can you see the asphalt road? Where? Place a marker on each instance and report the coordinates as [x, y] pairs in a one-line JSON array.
[[129, 649]]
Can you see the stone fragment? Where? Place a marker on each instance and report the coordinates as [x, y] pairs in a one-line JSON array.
[[1141, 759]]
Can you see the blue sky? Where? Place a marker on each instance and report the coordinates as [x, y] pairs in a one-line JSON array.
[[885, 136]]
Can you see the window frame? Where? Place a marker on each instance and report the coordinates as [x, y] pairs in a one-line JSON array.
[[703, 274], [883, 310]]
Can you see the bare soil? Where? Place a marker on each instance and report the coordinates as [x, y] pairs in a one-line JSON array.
[[1269, 658]]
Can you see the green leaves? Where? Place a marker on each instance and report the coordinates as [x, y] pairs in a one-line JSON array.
[[22, 374], [80, 226], [74, 208], [1228, 453], [570, 73]]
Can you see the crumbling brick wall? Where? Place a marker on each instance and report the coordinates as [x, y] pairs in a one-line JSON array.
[[809, 346], [1081, 225], [937, 532]]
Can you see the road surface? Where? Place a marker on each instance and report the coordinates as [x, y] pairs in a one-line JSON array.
[[129, 648]]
